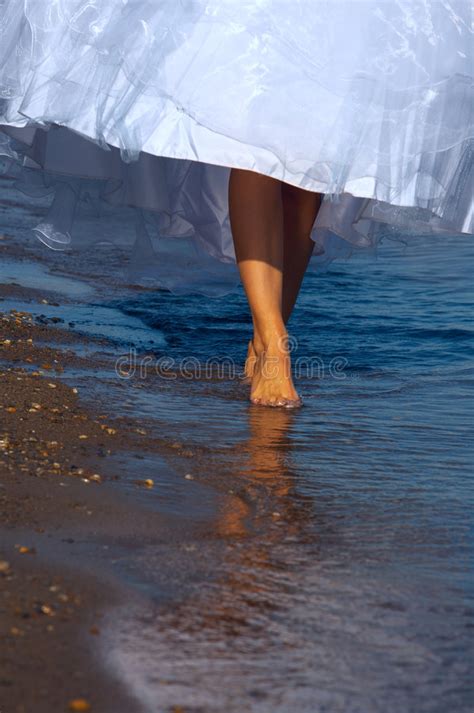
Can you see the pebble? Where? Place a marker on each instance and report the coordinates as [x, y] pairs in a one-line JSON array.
[[148, 483], [4, 567], [46, 610], [79, 705]]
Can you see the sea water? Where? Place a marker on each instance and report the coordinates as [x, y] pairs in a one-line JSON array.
[[337, 575]]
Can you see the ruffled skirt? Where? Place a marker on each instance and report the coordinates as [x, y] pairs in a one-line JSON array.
[[140, 104]]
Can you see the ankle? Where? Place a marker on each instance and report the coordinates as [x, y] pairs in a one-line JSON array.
[[256, 346], [274, 341]]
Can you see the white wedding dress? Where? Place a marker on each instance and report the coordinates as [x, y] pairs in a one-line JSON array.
[[112, 104]]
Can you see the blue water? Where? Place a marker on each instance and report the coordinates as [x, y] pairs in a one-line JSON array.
[[345, 583], [335, 575]]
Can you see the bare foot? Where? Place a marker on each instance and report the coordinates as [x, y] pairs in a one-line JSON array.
[[272, 383]]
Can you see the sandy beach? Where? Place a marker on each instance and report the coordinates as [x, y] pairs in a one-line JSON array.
[[49, 608], [56, 495], [60, 513]]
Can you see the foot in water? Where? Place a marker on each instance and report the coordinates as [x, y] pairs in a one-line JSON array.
[[269, 369]]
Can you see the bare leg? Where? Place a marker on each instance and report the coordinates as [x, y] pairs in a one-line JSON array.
[[300, 209], [256, 214]]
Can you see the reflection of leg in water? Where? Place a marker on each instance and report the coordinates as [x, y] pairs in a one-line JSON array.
[[225, 635], [266, 482], [263, 513]]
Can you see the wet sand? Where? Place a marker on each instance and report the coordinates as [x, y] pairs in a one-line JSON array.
[[60, 511]]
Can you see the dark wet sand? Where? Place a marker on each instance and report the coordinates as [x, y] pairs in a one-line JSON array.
[[59, 507]]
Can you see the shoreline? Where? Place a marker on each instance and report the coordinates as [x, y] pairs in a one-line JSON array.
[[62, 513]]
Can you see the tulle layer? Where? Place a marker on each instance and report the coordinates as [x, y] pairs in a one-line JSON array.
[[367, 102]]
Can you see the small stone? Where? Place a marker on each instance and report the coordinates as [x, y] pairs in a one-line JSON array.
[[79, 705], [46, 610], [148, 483], [188, 476], [96, 478], [4, 567], [83, 436]]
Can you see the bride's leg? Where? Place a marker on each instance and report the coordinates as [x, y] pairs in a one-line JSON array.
[[256, 214], [300, 209]]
